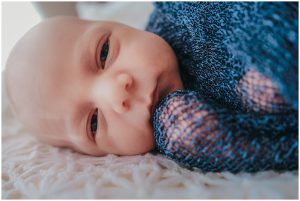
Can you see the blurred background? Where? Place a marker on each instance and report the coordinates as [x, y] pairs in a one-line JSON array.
[[19, 17]]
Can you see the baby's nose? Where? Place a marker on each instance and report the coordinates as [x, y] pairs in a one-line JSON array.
[[124, 83]]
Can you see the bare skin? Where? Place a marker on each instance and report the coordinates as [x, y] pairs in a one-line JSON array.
[[90, 86]]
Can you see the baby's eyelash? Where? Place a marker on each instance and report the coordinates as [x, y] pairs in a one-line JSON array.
[[94, 122], [103, 54]]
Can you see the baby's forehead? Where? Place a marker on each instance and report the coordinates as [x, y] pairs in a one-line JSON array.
[[37, 74]]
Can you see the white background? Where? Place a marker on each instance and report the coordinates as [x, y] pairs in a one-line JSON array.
[[17, 19]]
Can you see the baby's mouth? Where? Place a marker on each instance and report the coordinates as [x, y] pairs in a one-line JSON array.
[[154, 99]]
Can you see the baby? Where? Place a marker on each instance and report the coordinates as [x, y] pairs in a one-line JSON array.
[[228, 100], [90, 86]]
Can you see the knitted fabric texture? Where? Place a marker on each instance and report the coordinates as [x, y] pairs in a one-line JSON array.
[[239, 65], [198, 132]]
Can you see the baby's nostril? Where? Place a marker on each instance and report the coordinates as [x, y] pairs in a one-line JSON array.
[[125, 104], [125, 81]]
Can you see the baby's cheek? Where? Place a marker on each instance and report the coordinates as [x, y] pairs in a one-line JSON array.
[[131, 141], [142, 141]]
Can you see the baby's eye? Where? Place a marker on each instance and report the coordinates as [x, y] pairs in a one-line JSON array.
[[104, 53], [94, 122]]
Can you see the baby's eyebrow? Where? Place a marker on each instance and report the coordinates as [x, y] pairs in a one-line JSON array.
[[77, 121], [92, 37]]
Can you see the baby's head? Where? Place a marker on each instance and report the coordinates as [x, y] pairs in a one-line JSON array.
[[90, 85]]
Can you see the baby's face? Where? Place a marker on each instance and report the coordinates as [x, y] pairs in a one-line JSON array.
[[91, 86]]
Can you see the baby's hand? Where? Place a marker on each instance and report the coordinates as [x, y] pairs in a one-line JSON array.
[[184, 123], [176, 116]]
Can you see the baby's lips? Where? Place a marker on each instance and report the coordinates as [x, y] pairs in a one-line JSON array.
[[154, 99]]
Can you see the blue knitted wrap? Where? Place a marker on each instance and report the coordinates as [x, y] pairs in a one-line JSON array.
[[239, 66]]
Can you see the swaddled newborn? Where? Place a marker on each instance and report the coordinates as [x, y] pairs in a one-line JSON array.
[[95, 86]]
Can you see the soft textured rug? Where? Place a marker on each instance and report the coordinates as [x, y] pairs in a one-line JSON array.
[[34, 170]]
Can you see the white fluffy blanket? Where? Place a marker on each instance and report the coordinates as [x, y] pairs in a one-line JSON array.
[[34, 170]]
